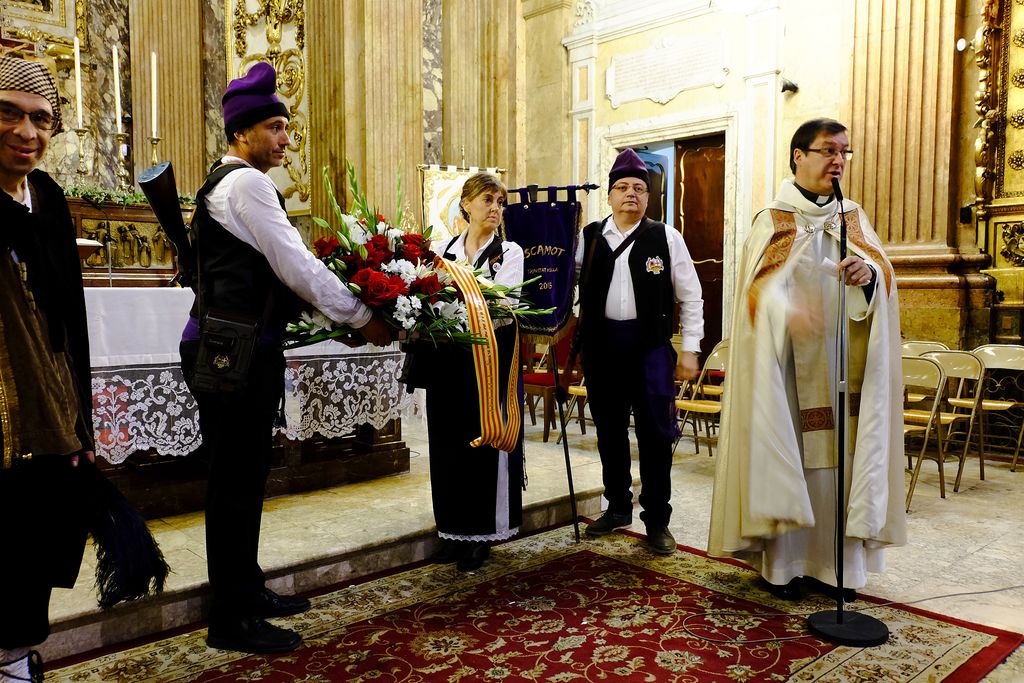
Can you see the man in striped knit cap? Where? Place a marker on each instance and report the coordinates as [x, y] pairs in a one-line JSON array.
[[45, 402]]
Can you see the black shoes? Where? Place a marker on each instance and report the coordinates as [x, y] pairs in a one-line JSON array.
[[789, 591], [28, 667], [660, 540], [252, 635], [608, 523], [794, 590], [476, 553], [448, 551], [814, 585], [270, 604]]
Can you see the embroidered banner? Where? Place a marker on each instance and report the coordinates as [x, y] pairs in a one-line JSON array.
[[547, 232]]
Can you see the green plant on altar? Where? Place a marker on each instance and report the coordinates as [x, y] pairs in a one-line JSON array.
[[395, 273], [98, 196]]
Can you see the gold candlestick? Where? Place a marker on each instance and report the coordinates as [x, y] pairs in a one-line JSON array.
[[154, 142], [123, 176], [82, 169]]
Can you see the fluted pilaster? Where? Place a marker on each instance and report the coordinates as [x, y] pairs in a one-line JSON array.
[[366, 98], [482, 67], [901, 119], [180, 80]]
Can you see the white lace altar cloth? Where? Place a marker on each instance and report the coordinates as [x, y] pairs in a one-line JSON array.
[[141, 403]]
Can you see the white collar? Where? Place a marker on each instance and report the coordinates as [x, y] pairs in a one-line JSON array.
[[610, 227]]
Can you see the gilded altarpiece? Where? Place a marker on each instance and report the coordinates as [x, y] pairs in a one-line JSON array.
[[274, 31], [999, 160]]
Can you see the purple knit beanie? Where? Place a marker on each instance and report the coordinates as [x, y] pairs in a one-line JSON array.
[[628, 165], [251, 99]]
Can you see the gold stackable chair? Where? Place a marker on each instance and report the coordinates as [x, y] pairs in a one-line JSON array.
[[1004, 384], [923, 375], [918, 347], [701, 400]]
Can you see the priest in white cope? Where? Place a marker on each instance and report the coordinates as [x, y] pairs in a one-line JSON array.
[[774, 501]]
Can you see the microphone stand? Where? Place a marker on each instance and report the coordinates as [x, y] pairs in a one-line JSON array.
[[844, 628]]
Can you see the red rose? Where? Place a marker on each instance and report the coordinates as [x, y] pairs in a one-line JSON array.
[[412, 247], [383, 289], [377, 251], [428, 285], [325, 246], [352, 262], [362, 278]]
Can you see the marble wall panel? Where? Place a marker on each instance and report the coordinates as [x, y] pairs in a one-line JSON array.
[[432, 82], [215, 78], [107, 25]]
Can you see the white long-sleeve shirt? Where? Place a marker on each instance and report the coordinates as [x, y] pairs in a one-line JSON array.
[[245, 202], [621, 302]]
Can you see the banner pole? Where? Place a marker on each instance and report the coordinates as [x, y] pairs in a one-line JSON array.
[[560, 399]]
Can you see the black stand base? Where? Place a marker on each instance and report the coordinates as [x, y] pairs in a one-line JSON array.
[[857, 630]]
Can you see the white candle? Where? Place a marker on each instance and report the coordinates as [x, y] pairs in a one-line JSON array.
[[152, 69], [78, 81], [117, 89]]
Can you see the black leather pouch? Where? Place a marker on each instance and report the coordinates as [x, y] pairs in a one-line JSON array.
[[227, 342]]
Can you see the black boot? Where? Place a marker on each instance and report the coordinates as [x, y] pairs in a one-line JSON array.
[[448, 551], [474, 558]]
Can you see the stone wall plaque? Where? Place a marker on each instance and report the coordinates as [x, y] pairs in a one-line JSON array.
[[667, 68]]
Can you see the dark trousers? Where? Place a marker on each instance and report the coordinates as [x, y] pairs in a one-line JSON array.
[[24, 615], [44, 504], [624, 376], [237, 429]]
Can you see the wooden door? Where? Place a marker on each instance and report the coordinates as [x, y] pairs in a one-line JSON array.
[[700, 214]]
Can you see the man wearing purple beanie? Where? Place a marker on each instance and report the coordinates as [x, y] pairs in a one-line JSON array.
[[633, 272], [252, 266]]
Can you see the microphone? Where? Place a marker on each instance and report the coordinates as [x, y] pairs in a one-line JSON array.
[[838, 191], [842, 217]]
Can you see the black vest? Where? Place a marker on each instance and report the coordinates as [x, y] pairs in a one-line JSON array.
[[650, 269], [234, 276], [492, 256]]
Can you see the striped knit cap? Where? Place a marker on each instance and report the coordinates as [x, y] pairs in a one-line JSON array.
[[33, 77]]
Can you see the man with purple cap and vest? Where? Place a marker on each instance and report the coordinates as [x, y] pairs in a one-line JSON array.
[[252, 265], [633, 272]]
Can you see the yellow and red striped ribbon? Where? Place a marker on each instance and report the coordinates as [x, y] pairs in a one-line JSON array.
[[495, 429]]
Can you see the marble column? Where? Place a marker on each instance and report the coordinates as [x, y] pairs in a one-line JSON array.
[[366, 99], [180, 107], [483, 58], [901, 113]]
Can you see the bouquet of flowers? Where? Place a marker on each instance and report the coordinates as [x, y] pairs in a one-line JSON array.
[[395, 273]]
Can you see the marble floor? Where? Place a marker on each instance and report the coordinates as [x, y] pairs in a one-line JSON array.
[[970, 542]]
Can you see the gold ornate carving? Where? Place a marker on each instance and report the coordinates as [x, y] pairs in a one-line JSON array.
[[291, 69], [1016, 119], [1017, 78], [1018, 37], [1016, 160], [56, 16], [1013, 243], [986, 107]]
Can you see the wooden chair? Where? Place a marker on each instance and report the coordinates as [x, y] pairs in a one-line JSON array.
[[701, 401], [926, 376], [1003, 388], [539, 380]]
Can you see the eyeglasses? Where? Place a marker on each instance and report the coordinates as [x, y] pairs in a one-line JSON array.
[[623, 187], [830, 152], [41, 119]]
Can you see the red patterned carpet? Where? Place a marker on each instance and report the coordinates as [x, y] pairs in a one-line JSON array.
[[545, 609]]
